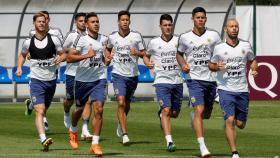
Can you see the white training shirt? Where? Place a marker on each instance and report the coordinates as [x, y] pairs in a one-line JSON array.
[[198, 50], [52, 31], [43, 70], [163, 54], [123, 62], [69, 40], [233, 78], [91, 69]]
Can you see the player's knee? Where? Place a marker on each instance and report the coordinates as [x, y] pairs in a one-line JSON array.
[[175, 114], [198, 111], [68, 102], [165, 111], [121, 103], [230, 120], [99, 110], [40, 112], [79, 110], [240, 124]]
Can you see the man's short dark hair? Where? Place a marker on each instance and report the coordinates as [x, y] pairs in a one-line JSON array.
[[123, 12], [198, 9], [89, 15], [165, 17], [45, 12], [37, 15], [79, 15]]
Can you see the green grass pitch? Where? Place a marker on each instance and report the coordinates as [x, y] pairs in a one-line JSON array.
[[260, 138]]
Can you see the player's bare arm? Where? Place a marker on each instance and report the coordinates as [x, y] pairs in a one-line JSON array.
[[75, 56], [61, 57], [141, 53], [216, 66], [184, 65], [147, 61], [21, 60], [108, 55], [254, 67]]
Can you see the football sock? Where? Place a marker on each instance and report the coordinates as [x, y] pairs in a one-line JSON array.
[[168, 139]]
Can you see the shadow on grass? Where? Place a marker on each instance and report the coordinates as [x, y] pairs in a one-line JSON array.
[[56, 133], [104, 154], [214, 155], [138, 142], [53, 149], [220, 155], [89, 141], [178, 149]]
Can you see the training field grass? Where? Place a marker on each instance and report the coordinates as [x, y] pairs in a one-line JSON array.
[[260, 138]]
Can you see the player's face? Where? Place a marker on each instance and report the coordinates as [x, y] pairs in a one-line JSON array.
[[232, 29], [93, 24], [124, 22], [80, 23], [40, 24], [166, 27], [199, 20]]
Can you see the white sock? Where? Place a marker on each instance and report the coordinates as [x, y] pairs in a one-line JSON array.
[[95, 139], [42, 137], [85, 126], [201, 142], [45, 119], [66, 113], [73, 129], [168, 139]]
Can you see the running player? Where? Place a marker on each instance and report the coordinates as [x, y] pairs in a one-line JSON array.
[[198, 45], [45, 54], [54, 32], [127, 46], [230, 60], [168, 81], [90, 80], [70, 73]]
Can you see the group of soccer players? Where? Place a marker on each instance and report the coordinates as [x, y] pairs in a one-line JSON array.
[[212, 66]]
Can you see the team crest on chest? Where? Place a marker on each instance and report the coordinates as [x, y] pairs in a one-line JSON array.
[[243, 51], [209, 40], [226, 53]]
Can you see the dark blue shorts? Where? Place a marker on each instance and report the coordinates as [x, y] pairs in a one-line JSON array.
[[234, 104], [169, 95], [124, 86], [69, 85], [41, 92], [96, 91], [202, 93]]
